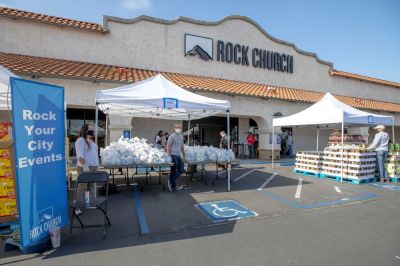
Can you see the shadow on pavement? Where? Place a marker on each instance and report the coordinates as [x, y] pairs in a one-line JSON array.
[[165, 213]]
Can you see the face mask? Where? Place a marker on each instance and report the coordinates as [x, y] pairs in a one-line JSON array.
[[178, 130]]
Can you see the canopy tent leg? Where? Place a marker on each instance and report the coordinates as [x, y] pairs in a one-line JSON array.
[[341, 156], [229, 147], [96, 122], [394, 138], [318, 139], [106, 140], [188, 131], [273, 146]]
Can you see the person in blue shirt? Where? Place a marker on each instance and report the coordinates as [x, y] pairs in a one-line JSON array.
[[380, 144]]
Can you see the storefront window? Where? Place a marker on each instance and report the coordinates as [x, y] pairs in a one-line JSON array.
[[76, 118], [206, 131]]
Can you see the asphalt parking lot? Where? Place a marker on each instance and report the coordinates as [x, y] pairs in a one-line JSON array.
[[271, 217]]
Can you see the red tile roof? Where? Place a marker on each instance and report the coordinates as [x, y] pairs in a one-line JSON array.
[[364, 78], [57, 21], [64, 22], [40, 66]]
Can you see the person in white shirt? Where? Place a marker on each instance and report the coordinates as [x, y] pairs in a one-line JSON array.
[[88, 159], [380, 144], [86, 151]]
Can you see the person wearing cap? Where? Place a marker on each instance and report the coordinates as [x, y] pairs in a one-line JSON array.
[[380, 144], [174, 149]]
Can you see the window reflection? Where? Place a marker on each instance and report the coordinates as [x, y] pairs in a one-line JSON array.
[[76, 118]]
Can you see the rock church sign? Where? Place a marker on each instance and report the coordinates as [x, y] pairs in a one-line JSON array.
[[239, 54]]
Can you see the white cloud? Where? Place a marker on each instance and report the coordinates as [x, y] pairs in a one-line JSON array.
[[136, 4], [4, 5]]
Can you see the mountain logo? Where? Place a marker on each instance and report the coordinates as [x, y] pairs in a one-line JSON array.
[[197, 45], [45, 214]]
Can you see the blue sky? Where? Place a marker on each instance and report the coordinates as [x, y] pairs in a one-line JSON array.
[[358, 36]]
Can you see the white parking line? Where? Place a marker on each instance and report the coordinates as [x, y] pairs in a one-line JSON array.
[[245, 174], [298, 190], [220, 173], [338, 189], [266, 182]]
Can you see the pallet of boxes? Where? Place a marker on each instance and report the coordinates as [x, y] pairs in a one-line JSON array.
[[308, 162], [393, 162], [359, 164], [8, 203]]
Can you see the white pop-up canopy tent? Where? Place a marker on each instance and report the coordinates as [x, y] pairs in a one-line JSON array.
[[5, 95], [331, 111], [159, 98]]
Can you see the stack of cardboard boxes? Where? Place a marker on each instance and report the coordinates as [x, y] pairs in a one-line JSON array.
[[8, 204]]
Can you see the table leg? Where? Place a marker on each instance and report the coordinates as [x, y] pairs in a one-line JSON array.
[[202, 174], [127, 176], [159, 178]]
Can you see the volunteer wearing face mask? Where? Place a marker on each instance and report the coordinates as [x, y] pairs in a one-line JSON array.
[[174, 149], [88, 159], [86, 151]]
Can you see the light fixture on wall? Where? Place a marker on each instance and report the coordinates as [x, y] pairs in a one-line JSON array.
[[278, 114]]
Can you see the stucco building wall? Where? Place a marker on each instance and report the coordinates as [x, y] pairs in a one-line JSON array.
[[156, 46]]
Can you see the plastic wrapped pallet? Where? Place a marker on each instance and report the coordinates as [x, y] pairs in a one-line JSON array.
[[309, 161], [392, 164], [358, 163]]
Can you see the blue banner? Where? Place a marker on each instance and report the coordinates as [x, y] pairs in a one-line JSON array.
[[39, 136]]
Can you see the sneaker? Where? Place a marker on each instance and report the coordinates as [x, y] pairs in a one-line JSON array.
[[78, 212], [177, 188]]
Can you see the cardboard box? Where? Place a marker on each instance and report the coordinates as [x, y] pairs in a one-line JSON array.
[[5, 154], [5, 168], [5, 130], [7, 187], [8, 206]]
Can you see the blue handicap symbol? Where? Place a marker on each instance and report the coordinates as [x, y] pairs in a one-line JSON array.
[[226, 210], [390, 187]]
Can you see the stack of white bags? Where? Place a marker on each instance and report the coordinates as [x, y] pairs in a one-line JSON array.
[[132, 151], [204, 153]]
